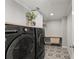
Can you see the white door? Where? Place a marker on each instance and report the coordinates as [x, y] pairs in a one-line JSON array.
[[70, 35]]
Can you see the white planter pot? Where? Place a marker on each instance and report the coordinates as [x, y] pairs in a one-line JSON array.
[[29, 23]]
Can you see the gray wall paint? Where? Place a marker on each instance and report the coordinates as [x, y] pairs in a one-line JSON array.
[[64, 31], [57, 28], [15, 13], [53, 28]]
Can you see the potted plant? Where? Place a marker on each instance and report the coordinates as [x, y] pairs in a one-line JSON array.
[[31, 16]]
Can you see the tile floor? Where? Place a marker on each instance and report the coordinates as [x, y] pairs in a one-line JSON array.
[[56, 52]]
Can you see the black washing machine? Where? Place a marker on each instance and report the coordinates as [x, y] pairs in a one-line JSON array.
[[39, 43], [23, 42]]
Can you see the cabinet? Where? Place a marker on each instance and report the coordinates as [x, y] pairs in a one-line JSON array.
[[53, 40]]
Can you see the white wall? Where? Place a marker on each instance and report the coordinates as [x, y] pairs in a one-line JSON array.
[[57, 28], [39, 20], [64, 31], [15, 13], [53, 28]]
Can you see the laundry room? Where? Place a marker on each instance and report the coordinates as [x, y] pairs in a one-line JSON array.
[[39, 29]]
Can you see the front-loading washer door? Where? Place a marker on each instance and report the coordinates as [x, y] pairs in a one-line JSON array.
[[23, 47]]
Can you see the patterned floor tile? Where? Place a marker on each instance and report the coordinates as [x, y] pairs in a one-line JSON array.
[[55, 52]]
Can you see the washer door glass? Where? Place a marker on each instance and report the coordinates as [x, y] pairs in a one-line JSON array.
[[22, 48]]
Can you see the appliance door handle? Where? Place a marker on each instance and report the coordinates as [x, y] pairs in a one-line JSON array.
[[39, 38], [11, 31]]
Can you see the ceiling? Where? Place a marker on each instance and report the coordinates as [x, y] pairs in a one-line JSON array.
[[60, 8]]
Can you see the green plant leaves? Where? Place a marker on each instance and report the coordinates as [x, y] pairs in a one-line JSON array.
[[31, 15]]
